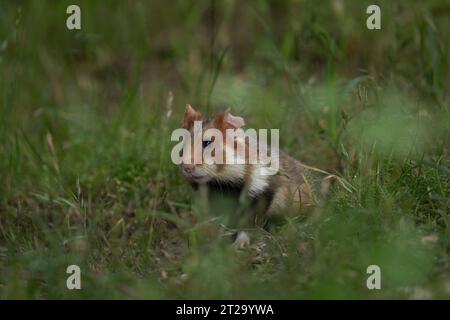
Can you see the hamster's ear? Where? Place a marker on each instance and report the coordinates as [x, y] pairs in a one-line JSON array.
[[234, 121], [226, 120], [190, 115]]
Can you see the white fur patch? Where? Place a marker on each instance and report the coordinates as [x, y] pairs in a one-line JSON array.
[[258, 182]]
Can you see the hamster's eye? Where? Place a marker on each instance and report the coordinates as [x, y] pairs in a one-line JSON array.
[[206, 143]]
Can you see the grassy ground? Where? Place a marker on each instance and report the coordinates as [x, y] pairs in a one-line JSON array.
[[85, 123]]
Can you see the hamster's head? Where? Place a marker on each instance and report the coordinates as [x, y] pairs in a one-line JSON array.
[[199, 165]]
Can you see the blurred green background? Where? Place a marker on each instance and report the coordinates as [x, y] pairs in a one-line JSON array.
[[85, 123]]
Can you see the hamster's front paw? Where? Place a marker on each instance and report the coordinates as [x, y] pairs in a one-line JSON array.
[[242, 240]]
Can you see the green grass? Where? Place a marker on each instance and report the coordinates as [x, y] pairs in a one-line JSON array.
[[85, 169]]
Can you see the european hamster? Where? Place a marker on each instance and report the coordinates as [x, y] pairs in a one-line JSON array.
[[294, 186]]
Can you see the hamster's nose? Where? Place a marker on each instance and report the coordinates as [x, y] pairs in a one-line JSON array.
[[188, 168]]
